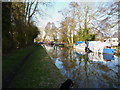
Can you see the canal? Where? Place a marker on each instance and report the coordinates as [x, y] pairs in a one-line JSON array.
[[86, 70]]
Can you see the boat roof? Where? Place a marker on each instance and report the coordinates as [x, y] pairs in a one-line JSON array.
[[79, 42]]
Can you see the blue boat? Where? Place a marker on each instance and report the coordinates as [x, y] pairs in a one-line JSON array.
[[108, 51], [108, 57]]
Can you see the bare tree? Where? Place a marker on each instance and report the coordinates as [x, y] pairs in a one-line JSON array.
[[30, 10], [47, 30]]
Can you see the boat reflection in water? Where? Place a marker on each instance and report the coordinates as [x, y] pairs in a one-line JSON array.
[[87, 70]]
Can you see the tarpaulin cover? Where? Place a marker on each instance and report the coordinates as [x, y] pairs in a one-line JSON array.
[[98, 46]]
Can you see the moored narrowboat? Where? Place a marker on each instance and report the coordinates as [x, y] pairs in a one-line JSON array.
[[94, 46], [79, 45], [59, 44]]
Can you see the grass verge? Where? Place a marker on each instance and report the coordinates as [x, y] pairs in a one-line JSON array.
[[11, 60], [37, 72]]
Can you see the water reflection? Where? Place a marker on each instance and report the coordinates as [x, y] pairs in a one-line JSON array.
[[87, 70]]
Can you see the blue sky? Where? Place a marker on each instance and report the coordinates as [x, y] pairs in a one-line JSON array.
[[52, 14]]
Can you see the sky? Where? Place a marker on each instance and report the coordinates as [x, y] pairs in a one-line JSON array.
[[52, 12], [62, 0]]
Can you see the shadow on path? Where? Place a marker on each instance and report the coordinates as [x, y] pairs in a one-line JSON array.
[[6, 80]]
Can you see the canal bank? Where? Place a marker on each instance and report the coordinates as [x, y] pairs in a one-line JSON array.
[[36, 71]]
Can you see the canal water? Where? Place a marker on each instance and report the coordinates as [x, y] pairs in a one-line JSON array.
[[86, 70]]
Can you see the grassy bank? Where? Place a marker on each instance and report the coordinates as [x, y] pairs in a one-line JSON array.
[[12, 59], [37, 72]]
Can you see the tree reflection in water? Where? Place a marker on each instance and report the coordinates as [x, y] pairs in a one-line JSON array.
[[86, 70]]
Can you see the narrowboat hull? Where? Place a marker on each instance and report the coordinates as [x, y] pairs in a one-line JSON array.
[[59, 44]]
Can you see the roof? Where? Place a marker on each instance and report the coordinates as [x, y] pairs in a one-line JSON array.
[[79, 42]]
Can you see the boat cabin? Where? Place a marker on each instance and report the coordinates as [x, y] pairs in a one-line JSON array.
[[112, 41]]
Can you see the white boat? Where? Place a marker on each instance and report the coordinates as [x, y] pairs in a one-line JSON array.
[[94, 46], [95, 57], [79, 45], [80, 51], [112, 41], [100, 47], [100, 57]]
